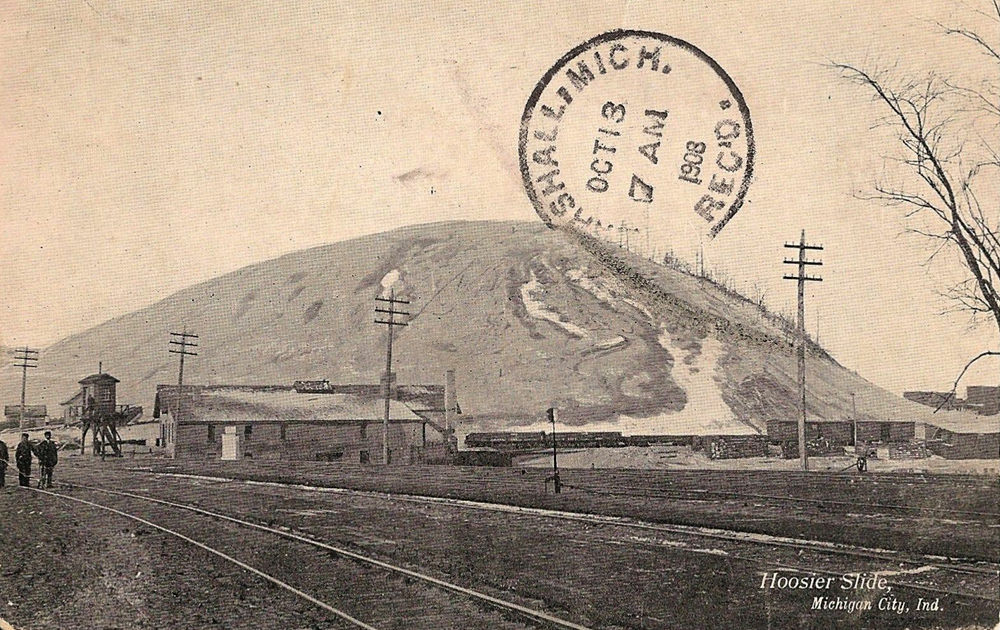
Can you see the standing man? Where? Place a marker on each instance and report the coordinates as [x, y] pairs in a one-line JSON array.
[[4, 458], [23, 457], [48, 455]]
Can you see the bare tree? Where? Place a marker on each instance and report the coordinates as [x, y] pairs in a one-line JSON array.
[[946, 132]]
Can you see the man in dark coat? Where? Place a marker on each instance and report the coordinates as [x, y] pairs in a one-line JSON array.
[[48, 455], [4, 458], [23, 457]]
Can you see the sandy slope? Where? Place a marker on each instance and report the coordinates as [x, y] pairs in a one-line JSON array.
[[527, 316]]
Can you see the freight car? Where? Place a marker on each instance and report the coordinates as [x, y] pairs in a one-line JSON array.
[[522, 441], [589, 439], [663, 440], [507, 441]]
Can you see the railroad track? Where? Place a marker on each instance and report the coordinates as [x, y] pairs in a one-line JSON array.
[[476, 599], [957, 566], [678, 486], [699, 494]]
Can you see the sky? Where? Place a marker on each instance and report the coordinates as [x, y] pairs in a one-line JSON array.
[[145, 147]]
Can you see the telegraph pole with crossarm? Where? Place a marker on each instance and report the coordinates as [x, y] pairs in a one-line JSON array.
[[186, 341], [25, 358], [802, 278], [388, 319]]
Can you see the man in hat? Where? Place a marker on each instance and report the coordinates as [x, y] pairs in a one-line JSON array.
[[23, 457], [4, 458], [48, 455]]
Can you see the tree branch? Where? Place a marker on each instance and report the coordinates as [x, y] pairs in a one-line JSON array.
[[951, 394]]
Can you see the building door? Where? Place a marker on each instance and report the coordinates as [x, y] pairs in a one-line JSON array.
[[885, 432], [231, 444]]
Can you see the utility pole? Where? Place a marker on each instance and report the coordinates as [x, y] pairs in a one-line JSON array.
[[25, 358], [551, 412], [801, 278], [185, 340], [389, 319], [854, 422]]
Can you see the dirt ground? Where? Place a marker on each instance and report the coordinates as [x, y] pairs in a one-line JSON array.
[[88, 569], [68, 568], [907, 512], [128, 576]]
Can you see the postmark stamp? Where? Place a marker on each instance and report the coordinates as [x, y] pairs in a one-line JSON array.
[[636, 131]]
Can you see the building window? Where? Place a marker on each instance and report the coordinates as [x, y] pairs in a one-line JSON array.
[[364, 457], [284, 435], [364, 430], [211, 433], [247, 432]]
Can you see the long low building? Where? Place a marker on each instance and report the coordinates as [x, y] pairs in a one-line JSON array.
[[952, 434], [313, 421], [955, 437], [841, 432], [34, 416]]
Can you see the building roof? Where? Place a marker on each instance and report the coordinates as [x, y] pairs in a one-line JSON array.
[[426, 397], [959, 422], [861, 420], [99, 378], [76, 399], [248, 404]]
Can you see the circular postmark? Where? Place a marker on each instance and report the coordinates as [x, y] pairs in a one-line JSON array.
[[637, 136]]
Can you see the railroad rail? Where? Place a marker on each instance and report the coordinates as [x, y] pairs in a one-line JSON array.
[[534, 615], [612, 483], [697, 494], [797, 544], [261, 574]]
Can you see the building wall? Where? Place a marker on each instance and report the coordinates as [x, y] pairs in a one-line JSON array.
[[306, 442], [103, 395], [735, 446], [34, 416], [30, 422], [983, 398], [897, 431], [966, 445], [151, 432], [838, 433]]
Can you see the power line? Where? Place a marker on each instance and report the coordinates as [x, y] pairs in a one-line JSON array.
[[24, 358], [388, 319], [801, 278]]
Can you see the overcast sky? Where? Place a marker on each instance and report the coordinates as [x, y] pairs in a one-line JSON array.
[[148, 146]]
